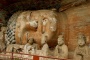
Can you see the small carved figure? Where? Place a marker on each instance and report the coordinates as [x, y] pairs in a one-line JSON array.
[[2, 39], [2, 33], [30, 47], [61, 50], [82, 50], [45, 47]]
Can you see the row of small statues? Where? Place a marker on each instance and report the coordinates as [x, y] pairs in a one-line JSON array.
[[61, 50]]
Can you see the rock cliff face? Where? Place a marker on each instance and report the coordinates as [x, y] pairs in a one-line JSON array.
[[70, 22], [78, 22]]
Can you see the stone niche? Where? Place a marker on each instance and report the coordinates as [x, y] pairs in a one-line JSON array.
[[69, 22]]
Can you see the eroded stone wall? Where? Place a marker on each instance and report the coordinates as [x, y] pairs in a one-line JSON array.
[[70, 22]]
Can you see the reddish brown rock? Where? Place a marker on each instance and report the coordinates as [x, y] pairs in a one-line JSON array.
[[69, 22]]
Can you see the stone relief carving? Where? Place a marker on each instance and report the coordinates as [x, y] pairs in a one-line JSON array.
[[61, 50], [82, 50], [46, 25], [45, 47], [30, 48], [2, 38]]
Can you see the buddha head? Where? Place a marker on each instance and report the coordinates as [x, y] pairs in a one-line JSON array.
[[30, 41], [60, 40], [81, 40]]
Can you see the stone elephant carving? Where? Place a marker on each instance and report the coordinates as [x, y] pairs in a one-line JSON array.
[[52, 23], [34, 24]]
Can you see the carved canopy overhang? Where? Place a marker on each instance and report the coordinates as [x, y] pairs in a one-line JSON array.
[[8, 7], [11, 6]]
